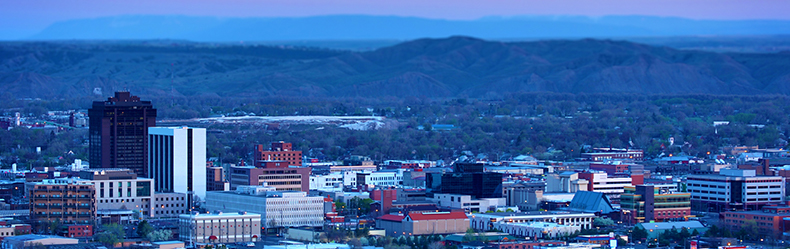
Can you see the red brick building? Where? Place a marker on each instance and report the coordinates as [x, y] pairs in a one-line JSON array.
[[279, 151], [770, 220], [78, 231]]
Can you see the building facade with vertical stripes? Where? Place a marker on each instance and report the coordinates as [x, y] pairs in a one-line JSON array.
[[177, 160]]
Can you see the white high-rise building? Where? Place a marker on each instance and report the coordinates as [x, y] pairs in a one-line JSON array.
[[177, 160]]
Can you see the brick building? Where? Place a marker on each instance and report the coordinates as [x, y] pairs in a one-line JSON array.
[[770, 220], [279, 151], [295, 179], [427, 223], [69, 203]]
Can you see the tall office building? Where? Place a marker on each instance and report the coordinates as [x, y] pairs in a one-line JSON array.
[[467, 179], [177, 160], [119, 132]]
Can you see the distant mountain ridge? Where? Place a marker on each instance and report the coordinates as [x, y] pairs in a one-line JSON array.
[[350, 27], [436, 68]]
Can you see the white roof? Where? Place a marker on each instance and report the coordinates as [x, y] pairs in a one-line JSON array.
[[669, 225]]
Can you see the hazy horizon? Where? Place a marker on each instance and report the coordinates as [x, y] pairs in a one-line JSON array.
[[20, 19]]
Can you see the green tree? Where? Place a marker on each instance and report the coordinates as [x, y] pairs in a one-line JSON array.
[[713, 231], [602, 222], [115, 229], [160, 235], [144, 228], [695, 233], [749, 230], [684, 233], [638, 233], [470, 235], [107, 238]]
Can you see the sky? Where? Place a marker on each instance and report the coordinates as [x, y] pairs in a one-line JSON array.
[[26, 17]]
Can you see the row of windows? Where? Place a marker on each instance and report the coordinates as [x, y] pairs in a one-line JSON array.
[[764, 193], [671, 213], [171, 212], [266, 177], [708, 198], [706, 185], [294, 202], [285, 183], [67, 213], [765, 199], [706, 192], [170, 199]]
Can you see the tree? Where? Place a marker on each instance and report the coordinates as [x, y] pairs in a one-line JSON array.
[[435, 245], [144, 228], [107, 238], [749, 230], [354, 243], [115, 229], [469, 235], [112, 234], [695, 233], [639, 233], [160, 235], [402, 240], [602, 222], [713, 231], [684, 233]]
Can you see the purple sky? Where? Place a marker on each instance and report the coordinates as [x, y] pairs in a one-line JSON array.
[[18, 15]]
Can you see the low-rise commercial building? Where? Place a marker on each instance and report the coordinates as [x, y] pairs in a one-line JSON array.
[[565, 182], [65, 202], [655, 229], [170, 205], [645, 203], [770, 221], [516, 193], [33, 240], [277, 208], [524, 244], [486, 221], [219, 227], [536, 230], [734, 189], [603, 183], [331, 182], [467, 203], [119, 189], [426, 223], [380, 179]]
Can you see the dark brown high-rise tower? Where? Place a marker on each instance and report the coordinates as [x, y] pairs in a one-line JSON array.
[[119, 132]]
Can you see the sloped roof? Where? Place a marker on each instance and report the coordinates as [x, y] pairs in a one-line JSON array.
[[391, 217], [591, 202], [438, 216]]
